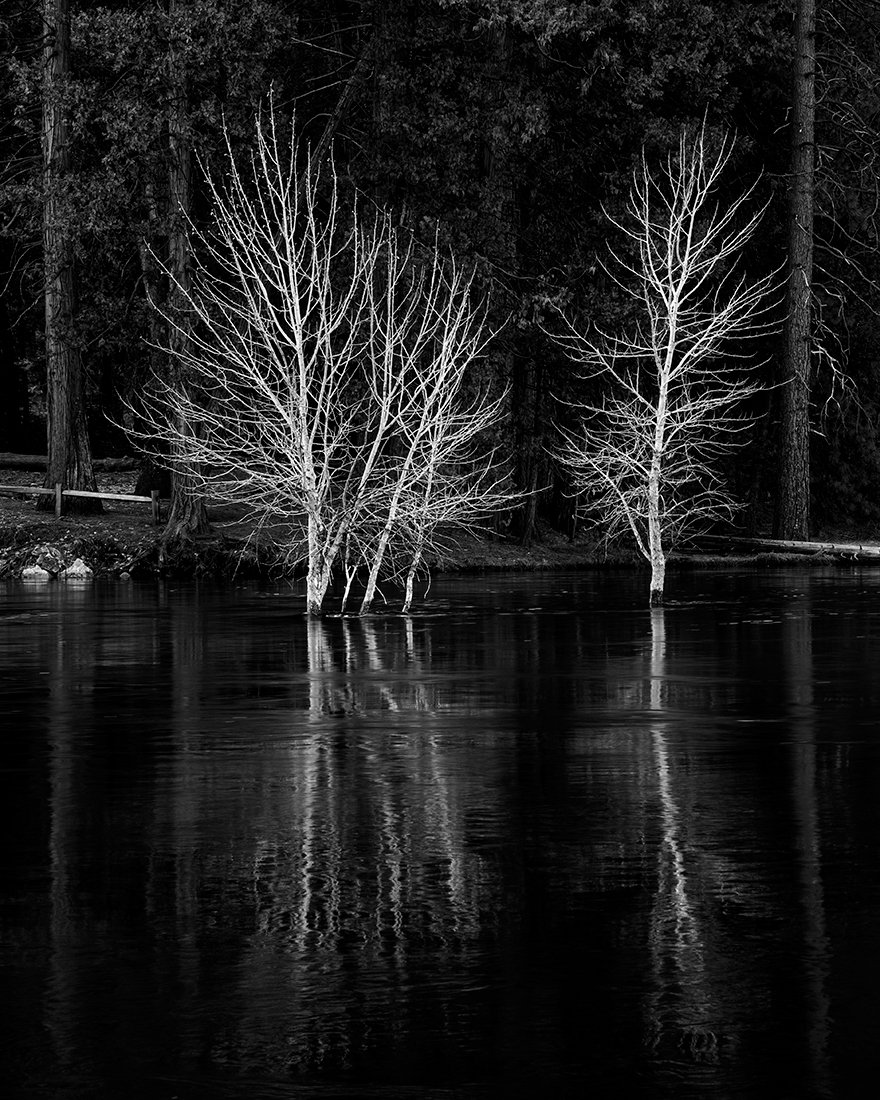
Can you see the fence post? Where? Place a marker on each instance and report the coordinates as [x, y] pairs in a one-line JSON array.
[[58, 500], [154, 501]]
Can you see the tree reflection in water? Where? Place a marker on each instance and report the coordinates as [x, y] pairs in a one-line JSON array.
[[70, 667], [351, 857], [681, 1013], [557, 843]]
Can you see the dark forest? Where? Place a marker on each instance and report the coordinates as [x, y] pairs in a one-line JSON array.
[[505, 131]]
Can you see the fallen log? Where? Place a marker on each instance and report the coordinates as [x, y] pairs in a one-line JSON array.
[[9, 461], [841, 549], [112, 465]]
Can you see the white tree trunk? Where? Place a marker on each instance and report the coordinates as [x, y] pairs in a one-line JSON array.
[[410, 578], [655, 535], [375, 567], [322, 556], [381, 549], [315, 577], [658, 574]]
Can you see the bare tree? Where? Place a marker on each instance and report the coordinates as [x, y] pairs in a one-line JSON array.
[[644, 456], [325, 362], [437, 477]]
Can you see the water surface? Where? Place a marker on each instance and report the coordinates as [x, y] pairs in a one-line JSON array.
[[534, 839]]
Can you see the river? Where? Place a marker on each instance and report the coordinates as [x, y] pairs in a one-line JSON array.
[[532, 840]]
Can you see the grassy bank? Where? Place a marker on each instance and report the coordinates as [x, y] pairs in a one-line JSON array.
[[123, 542], [116, 545]]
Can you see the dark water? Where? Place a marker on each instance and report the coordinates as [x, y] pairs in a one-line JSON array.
[[534, 840]]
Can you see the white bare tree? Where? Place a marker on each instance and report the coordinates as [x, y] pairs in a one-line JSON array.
[[326, 360], [644, 456]]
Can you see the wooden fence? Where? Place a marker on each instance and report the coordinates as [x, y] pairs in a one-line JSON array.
[[60, 494]]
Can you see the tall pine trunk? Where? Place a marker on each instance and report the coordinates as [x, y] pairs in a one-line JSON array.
[[70, 455], [187, 516], [792, 520], [505, 209]]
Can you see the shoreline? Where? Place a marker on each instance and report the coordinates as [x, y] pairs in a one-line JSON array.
[[122, 542], [122, 547]]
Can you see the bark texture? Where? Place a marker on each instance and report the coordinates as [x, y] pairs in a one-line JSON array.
[[187, 517], [70, 456], [792, 519]]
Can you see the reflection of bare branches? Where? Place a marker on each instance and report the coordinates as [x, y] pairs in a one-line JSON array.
[[363, 665], [350, 881], [326, 694], [676, 937], [329, 857], [359, 857]]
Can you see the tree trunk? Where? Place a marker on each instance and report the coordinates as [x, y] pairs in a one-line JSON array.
[[656, 550], [187, 515], [317, 583], [70, 456], [411, 576], [320, 566], [154, 472], [376, 565], [658, 577], [506, 211], [655, 539], [525, 385], [382, 546], [792, 519]]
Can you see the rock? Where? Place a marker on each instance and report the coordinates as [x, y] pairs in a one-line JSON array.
[[79, 571], [35, 573], [50, 559]]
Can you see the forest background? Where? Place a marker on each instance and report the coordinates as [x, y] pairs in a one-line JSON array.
[[505, 129]]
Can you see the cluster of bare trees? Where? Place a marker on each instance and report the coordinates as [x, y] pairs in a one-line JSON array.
[[321, 357], [321, 360]]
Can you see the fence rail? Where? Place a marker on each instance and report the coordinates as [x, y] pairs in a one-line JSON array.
[[60, 494]]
